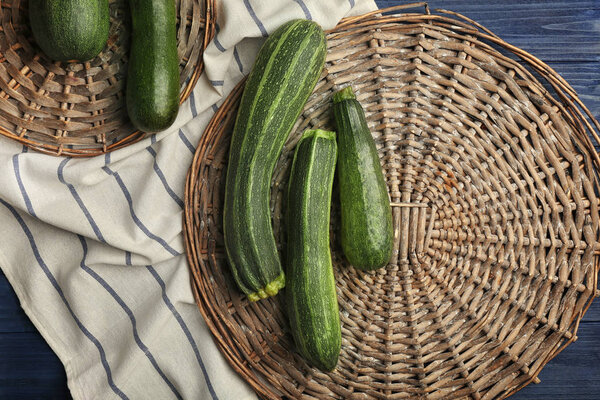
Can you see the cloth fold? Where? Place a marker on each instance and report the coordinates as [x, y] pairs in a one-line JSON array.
[[94, 248]]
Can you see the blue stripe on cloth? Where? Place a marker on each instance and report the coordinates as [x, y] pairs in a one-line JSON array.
[[129, 313], [163, 179], [258, 22], [62, 296], [128, 258], [185, 329], [351, 3], [137, 221], [304, 8], [216, 39], [26, 198], [80, 203], [214, 107], [187, 142], [216, 83], [193, 105], [236, 55]]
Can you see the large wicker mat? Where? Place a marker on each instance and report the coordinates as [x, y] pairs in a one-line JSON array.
[[495, 194], [78, 109]]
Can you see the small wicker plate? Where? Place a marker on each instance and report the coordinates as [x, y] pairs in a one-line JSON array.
[[77, 109], [495, 202]]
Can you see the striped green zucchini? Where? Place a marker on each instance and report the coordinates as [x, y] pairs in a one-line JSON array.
[[367, 233], [284, 74], [310, 294]]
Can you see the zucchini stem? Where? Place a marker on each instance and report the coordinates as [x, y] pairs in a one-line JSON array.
[[271, 289], [319, 133], [345, 94]]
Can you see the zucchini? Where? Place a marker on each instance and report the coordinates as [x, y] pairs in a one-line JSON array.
[[152, 93], [310, 294], [70, 30], [367, 233], [284, 74]]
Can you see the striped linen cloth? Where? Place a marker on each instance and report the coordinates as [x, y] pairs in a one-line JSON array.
[[94, 250]]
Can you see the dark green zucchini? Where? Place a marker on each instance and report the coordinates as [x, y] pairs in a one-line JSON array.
[[70, 30], [284, 74], [152, 93], [367, 233], [310, 293]]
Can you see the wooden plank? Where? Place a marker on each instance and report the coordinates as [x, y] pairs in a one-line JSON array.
[[585, 79], [12, 317], [574, 374], [592, 315], [551, 30], [29, 369]]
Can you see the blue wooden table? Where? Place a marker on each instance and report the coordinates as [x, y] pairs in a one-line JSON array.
[[564, 34]]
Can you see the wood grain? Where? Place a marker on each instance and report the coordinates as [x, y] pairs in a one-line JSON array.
[[29, 369], [12, 317], [554, 31]]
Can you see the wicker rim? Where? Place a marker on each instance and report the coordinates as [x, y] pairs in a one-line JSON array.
[[571, 107], [209, 20]]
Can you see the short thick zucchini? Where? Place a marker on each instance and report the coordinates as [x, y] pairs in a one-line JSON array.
[[152, 94], [310, 294], [366, 216], [285, 73], [70, 30]]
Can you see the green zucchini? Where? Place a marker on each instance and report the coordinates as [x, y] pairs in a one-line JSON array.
[[70, 30], [367, 233], [284, 74], [152, 93], [310, 294]]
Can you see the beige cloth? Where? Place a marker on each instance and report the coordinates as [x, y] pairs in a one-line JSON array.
[[94, 250]]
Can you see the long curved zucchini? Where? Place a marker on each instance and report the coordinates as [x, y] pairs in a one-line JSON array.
[[284, 74], [367, 232], [310, 294]]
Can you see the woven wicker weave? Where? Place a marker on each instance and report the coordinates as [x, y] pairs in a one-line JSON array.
[[496, 220], [77, 109]]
